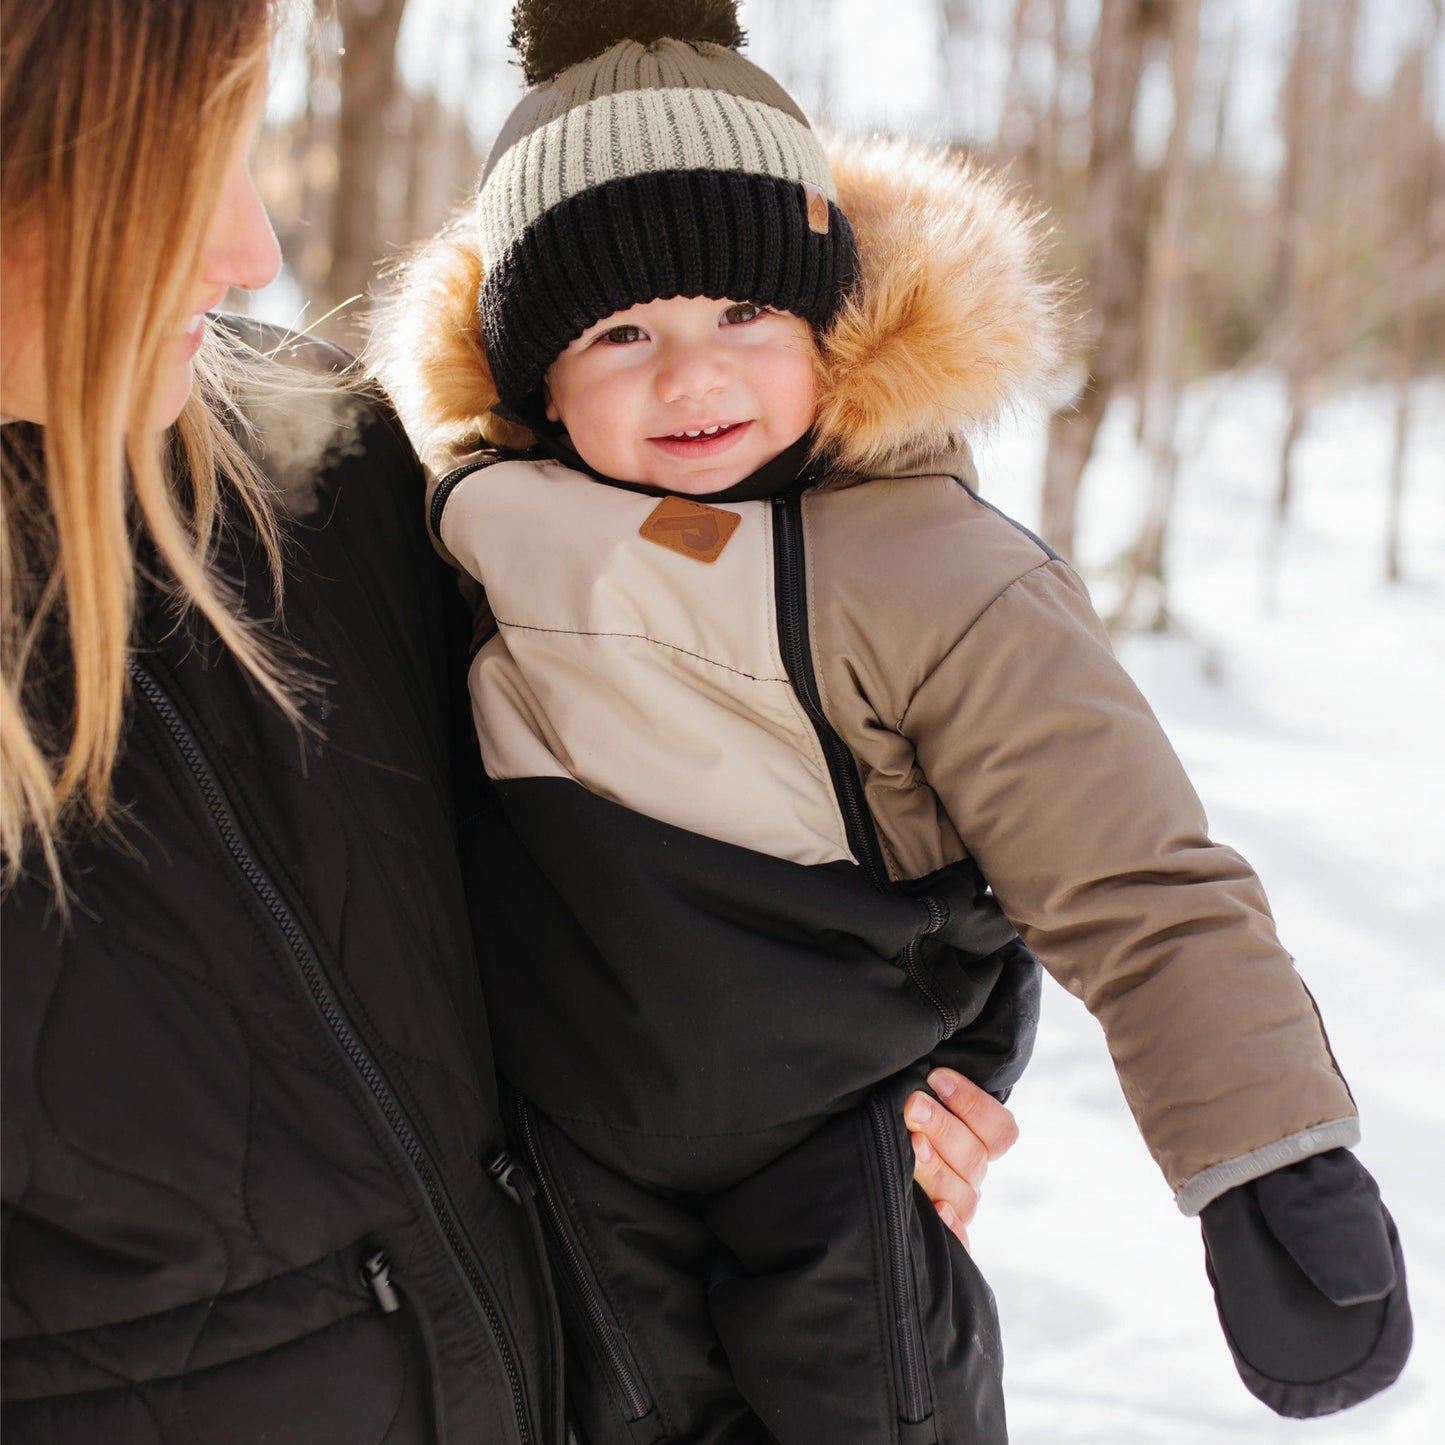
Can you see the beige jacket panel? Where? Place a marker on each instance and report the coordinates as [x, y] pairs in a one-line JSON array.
[[602, 633], [986, 662]]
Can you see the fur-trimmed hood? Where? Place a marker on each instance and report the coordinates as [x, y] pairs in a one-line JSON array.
[[953, 321]]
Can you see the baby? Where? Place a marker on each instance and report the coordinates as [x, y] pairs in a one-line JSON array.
[[789, 732]]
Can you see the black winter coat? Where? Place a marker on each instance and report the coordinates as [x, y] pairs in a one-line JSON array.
[[249, 1109]]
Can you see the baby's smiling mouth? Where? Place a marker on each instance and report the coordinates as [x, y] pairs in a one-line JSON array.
[[700, 441], [701, 433]]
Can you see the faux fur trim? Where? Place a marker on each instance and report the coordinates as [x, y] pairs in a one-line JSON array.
[[426, 351], [953, 322]]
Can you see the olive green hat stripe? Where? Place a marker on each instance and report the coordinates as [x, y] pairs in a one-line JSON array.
[[628, 67], [634, 133]]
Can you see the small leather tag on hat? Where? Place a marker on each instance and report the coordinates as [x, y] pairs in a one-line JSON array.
[[817, 209], [692, 528]]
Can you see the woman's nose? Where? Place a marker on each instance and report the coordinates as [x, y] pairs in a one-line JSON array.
[[241, 247]]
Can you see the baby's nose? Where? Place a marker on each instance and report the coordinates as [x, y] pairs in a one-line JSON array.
[[691, 374]]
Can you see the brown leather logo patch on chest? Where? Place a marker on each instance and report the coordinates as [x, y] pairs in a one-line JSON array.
[[692, 528]]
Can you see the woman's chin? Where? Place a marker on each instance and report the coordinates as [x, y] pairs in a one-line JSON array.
[[170, 399]]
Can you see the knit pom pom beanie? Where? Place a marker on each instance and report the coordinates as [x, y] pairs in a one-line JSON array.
[[648, 160]]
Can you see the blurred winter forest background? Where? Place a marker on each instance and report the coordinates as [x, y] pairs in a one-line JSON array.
[[1239, 187], [1250, 473]]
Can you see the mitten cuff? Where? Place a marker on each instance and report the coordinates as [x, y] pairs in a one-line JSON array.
[[1209, 1184]]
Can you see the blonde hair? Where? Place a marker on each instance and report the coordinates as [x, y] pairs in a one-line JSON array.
[[118, 121]]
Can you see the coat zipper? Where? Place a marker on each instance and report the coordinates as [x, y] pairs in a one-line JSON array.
[[913, 1399], [600, 1319], [790, 566], [342, 1031], [443, 492], [791, 583]]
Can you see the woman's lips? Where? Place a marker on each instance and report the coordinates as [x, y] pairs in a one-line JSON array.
[[687, 448]]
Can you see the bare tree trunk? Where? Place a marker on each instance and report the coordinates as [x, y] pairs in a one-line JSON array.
[[310, 258], [1318, 90], [1298, 409], [1113, 252], [1016, 129], [1051, 129], [1416, 192], [1071, 440], [368, 67], [1407, 362], [1031, 125], [1224, 92], [424, 150], [1160, 379], [1297, 200]]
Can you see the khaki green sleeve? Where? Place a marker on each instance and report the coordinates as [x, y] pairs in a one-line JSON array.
[[1064, 788]]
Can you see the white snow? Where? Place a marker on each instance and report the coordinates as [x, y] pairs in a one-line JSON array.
[[1309, 715]]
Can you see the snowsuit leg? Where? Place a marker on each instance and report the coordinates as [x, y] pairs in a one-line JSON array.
[[631, 1267], [819, 1300], [847, 1309]]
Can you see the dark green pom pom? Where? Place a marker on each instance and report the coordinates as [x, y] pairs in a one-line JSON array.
[[550, 35]]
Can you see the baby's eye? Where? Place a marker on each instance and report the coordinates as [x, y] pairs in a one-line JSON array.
[[742, 313], [621, 335]]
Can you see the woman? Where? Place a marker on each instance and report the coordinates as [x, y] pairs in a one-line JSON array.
[[255, 1179]]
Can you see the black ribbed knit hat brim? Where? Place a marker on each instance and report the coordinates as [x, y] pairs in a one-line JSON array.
[[729, 234]]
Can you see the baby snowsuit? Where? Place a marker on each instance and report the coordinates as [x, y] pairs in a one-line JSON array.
[[689, 1016], [766, 771]]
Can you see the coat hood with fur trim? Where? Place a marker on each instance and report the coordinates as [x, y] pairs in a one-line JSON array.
[[952, 324]]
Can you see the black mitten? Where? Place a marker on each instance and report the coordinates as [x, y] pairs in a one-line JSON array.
[[1310, 1285]]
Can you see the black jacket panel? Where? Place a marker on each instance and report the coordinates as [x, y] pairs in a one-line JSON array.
[[687, 1009], [256, 1057]]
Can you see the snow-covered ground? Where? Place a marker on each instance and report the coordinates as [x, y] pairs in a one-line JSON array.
[[1311, 717]]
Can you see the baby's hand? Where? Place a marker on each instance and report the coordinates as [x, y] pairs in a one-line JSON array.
[[954, 1145]]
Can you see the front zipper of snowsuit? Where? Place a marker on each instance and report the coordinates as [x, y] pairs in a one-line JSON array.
[[791, 589], [602, 1324], [318, 988], [790, 569], [914, 1403]]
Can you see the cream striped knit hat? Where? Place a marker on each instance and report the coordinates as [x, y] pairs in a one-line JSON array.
[[648, 160]]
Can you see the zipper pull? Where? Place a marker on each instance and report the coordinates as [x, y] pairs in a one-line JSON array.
[[511, 1178], [376, 1271]]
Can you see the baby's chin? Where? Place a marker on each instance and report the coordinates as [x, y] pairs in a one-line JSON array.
[[696, 486]]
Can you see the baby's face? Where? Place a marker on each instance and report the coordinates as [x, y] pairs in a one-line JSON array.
[[689, 395]]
